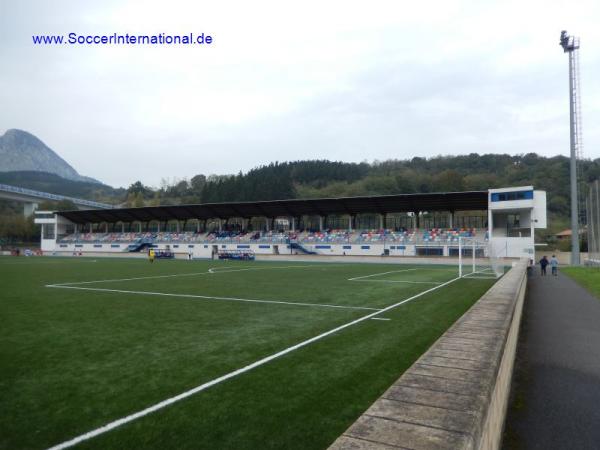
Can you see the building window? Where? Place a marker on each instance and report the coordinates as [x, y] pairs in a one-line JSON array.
[[510, 196], [40, 215], [48, 231]]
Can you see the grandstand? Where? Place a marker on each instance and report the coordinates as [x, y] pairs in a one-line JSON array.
[[391, 225]]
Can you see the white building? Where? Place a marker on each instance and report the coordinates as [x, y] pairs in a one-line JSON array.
[[513, 216]]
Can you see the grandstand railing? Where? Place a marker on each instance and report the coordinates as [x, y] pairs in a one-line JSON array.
[[50, 196]]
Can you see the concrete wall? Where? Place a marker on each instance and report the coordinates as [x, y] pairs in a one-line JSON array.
[[455, 395], [205, 250]]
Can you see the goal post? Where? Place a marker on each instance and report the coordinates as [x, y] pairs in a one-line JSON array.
[[478, 259]]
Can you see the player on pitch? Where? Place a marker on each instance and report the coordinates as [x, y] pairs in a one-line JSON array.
[[151, 255]]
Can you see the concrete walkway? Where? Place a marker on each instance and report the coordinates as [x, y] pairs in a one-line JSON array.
[[555, 399]]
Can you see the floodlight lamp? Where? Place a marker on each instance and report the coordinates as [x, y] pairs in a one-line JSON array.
[[568, 43]]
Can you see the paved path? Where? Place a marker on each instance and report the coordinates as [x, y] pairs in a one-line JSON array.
[[555, 401]]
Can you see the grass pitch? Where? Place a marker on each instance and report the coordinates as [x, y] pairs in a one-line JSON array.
[[85, 342], [588, 277]]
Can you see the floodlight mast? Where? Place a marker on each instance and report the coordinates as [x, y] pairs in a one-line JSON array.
[[570, 45]]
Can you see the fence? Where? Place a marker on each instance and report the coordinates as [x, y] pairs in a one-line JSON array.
[[593, 223]]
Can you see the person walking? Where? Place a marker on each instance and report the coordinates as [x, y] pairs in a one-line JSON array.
[[543, 264], [554, 265]]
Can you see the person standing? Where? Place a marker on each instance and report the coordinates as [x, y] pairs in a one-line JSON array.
[[554, 265], [151, 255], [543, 264]]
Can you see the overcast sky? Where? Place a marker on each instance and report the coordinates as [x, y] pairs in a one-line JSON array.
[[340, 80]]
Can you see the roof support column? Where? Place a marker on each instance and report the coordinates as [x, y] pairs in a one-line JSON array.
[[320, 223], [197, 225], [293, 224], [381, 221], [490, 224], [451, 219], [220, 223], [91, 227]]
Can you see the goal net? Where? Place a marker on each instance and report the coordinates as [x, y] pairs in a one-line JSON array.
[[479, 259]]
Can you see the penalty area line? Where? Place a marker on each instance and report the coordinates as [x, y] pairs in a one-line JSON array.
[[380, 273], [149, 410], [399, 281], [227, 269], [209, 297], [479, 278], [210, 271], [152, 277]]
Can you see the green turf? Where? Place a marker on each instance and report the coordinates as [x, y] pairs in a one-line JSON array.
[[73, 360], [588, 277]]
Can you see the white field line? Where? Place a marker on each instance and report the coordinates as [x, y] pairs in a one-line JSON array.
[[399, 281], [209, 297], [74, 283], [227, 270], [379, 318], [381, 273], [29, 263], [260, 362], [192, 274], [482, 274]]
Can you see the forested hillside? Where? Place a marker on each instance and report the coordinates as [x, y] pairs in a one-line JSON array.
[[311, 179]]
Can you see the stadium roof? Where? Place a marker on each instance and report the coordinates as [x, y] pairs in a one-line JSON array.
[[381, 204]]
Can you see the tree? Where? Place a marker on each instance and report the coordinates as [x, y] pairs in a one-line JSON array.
[[448, 181], [139, 188], [197, 184], [16, 228], [156, 201], [138, 200]]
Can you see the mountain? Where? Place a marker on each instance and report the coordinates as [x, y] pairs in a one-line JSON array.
[[22, 151]]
